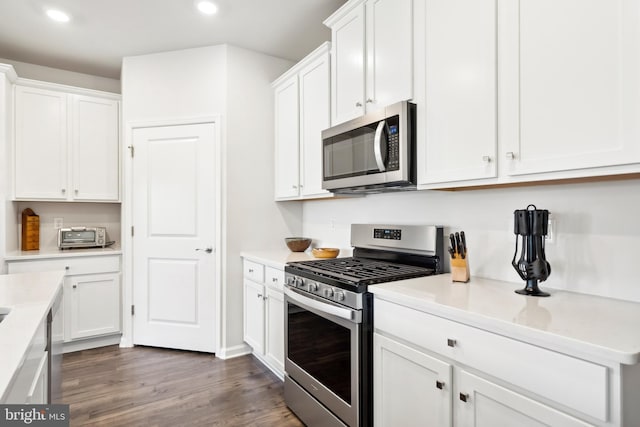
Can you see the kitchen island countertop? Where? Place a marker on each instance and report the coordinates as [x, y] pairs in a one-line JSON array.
[[584, 325], [30, 297]]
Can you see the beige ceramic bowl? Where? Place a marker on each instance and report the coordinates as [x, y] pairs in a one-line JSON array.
[[325, 252]]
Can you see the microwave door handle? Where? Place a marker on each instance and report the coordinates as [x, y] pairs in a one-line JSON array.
[[377, 145]]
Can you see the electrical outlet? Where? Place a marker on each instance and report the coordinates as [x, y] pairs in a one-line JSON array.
[[551, 229], [57, 223]]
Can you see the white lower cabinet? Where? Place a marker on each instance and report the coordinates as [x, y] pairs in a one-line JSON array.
[[432, 371], [411, 388], [91, 306], [264, 314]]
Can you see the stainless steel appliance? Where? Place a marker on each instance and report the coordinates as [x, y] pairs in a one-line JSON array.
[[82, 237], [373, 153], [329, 320]]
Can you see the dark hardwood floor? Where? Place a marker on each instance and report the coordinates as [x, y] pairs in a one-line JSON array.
[[145, 386]]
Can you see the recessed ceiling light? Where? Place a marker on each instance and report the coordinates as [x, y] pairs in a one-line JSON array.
[[58, 15], [206, 7]]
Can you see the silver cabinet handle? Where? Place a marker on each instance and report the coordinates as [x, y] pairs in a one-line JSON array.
[[76, 190], [251, 270], [259, 296], [294, 187], [66, 267], [486, 159], [451, 342], [358, 104], [74, 286], [64, 190], [369, 101], [274, 280], [207, 250], [510, 155]]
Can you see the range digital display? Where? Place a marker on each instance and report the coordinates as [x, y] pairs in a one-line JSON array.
[[387, 234]]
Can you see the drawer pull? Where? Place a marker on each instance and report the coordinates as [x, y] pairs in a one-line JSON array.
[[451, 342], [274, 280], [75, 286], [66, 267], [440, 385], [464, 397], [251, 270], [259, 296]]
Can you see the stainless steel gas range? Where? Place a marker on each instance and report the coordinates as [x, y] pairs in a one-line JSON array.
[[329, 320]]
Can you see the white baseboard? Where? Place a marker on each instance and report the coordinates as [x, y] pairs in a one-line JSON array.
[[235, 351]]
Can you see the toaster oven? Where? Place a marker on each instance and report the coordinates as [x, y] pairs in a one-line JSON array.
[[82, 237]]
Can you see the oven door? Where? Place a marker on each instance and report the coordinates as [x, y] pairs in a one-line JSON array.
[[322, 352]]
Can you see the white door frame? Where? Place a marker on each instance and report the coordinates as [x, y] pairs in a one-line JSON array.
[[127, 222]]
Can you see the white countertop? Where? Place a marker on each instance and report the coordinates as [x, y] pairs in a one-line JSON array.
[[59, 253], [29, 296], [572, 323], [278, 258]]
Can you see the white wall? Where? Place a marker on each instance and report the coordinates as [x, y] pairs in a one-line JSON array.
[[71, 78], [254, 221], [597, 229]]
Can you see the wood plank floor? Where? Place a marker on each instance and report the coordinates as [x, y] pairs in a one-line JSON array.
[[145, 386]]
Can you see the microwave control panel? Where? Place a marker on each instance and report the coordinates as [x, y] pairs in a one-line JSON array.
[[393, 144]]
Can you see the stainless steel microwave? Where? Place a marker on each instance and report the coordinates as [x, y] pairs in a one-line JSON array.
[[82, 237], [372, 153]]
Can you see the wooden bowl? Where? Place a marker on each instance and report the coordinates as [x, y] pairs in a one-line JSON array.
[[297, 244], [325, 252]]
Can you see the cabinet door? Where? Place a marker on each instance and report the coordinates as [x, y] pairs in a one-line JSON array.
[[569, 84], [92, 305], [95, 148], [315, 89], [459, 118], [389, 31], [480, 403], [274, 329], [348, 66], [38, 394], [40, 144], [287, 139], [410, 387], [254, 315]]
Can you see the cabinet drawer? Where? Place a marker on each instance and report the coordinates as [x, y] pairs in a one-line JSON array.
[[572, 382], [254, 271], [274, 278], [73, 266]]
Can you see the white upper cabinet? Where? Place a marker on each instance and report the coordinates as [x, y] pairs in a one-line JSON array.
[[457, 123], [41, 144], [526, 91], [66, 145], [301, 114], [570, 80], [287, 139], [314, 118], [95, 148], [372, 56]]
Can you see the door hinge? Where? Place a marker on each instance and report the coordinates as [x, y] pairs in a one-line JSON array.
[[131, 150], [132, 231], [133, 309]]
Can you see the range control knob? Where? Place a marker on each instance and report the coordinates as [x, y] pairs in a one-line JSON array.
[[339, 296], [313, 286], [328, 293], [299, 283]]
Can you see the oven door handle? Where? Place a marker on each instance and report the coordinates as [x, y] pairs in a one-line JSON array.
[[328, 308]]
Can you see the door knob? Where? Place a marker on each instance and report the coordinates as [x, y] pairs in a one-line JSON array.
[[207, 250]]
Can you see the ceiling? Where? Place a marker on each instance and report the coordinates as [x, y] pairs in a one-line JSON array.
[[102, 32]]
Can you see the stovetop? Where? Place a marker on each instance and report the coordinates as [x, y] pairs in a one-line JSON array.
[[356, 273]]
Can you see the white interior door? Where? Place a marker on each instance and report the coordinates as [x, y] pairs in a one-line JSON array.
[[174, 234]]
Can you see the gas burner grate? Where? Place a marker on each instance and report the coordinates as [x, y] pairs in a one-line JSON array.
[[362, 270]]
